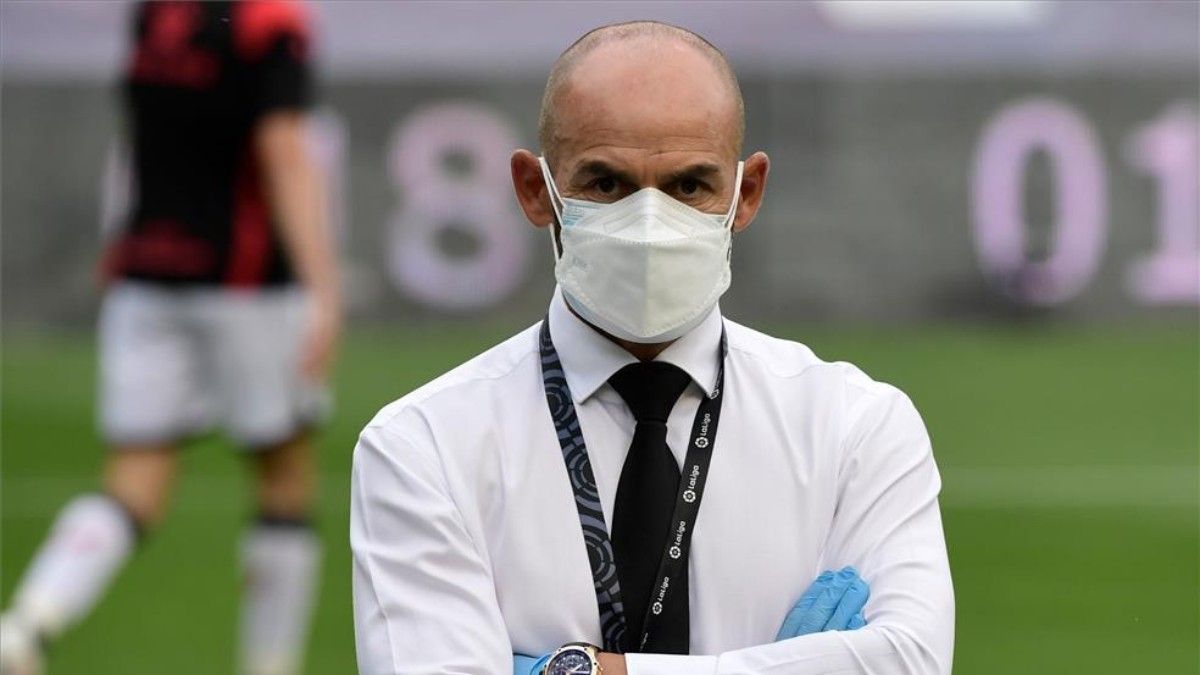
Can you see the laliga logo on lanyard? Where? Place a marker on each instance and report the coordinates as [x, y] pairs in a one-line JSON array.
[[689, 495]]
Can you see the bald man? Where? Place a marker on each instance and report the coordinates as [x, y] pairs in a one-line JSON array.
[[635, 484]]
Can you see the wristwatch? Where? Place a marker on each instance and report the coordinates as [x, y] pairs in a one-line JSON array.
[[574, 658]]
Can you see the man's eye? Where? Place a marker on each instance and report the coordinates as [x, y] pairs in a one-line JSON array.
[[689, 186], [606, 185]]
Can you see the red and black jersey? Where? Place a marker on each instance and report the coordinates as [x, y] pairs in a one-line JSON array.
[[201, 75]]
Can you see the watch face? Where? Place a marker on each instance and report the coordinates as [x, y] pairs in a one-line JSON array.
[[572, 662]]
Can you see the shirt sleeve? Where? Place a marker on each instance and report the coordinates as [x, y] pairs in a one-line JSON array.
[[424, 597], [888, 525], [285, 81], [274, 42]]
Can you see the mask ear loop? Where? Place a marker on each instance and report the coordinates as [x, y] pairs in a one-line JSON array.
[[737, 194], [555, 201]]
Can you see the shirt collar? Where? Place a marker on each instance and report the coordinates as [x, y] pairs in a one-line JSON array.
[[589, 358]]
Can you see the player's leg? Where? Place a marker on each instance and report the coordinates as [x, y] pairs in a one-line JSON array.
[[280, 557], [92, 537], [141, 479], [145, 367], [287, 478], [89, 542], [270, 408]]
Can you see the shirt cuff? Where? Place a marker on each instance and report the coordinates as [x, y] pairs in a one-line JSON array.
[[670, 664]]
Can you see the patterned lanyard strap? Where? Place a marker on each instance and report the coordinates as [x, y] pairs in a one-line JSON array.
[[591, 514]]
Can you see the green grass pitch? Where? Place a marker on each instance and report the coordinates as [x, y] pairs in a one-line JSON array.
[[1069, 458]]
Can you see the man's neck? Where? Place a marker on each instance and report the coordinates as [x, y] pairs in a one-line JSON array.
[[640, 350]]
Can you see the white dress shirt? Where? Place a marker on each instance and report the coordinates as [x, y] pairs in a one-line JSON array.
[[467, 544]]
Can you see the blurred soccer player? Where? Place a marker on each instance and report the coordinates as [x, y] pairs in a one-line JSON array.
[[221, 310]]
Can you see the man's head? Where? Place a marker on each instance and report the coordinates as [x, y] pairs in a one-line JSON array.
[[688, 50], [636, 105]]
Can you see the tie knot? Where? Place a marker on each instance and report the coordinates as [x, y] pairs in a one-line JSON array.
[[650, 388]]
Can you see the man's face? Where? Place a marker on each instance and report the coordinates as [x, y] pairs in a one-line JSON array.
[[627, 123], [637, 114]]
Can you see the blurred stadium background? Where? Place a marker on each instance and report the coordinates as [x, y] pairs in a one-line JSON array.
[[992, 205]]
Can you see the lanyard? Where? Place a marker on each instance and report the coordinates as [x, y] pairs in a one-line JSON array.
[[591, 515]]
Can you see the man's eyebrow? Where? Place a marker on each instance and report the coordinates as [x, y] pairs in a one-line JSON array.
[[599, 167], [698, 171]]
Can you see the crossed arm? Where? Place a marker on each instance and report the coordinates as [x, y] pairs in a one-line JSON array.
[[886, 524], [834, 601]]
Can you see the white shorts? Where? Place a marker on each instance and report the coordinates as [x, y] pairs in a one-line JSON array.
[[177, 362]]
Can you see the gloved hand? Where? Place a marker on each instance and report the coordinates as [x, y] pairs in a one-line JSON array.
[[833, 602], [529, 665]]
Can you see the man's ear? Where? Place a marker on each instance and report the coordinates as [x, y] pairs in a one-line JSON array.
[[530, 188], [754, 183]]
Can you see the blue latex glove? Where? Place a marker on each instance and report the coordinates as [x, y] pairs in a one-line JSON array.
[[833, 602], [529, 665]]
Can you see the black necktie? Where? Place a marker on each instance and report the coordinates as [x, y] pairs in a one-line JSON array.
[[645, 499]]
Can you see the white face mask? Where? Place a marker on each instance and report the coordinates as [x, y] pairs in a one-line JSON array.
[[647, 268]]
